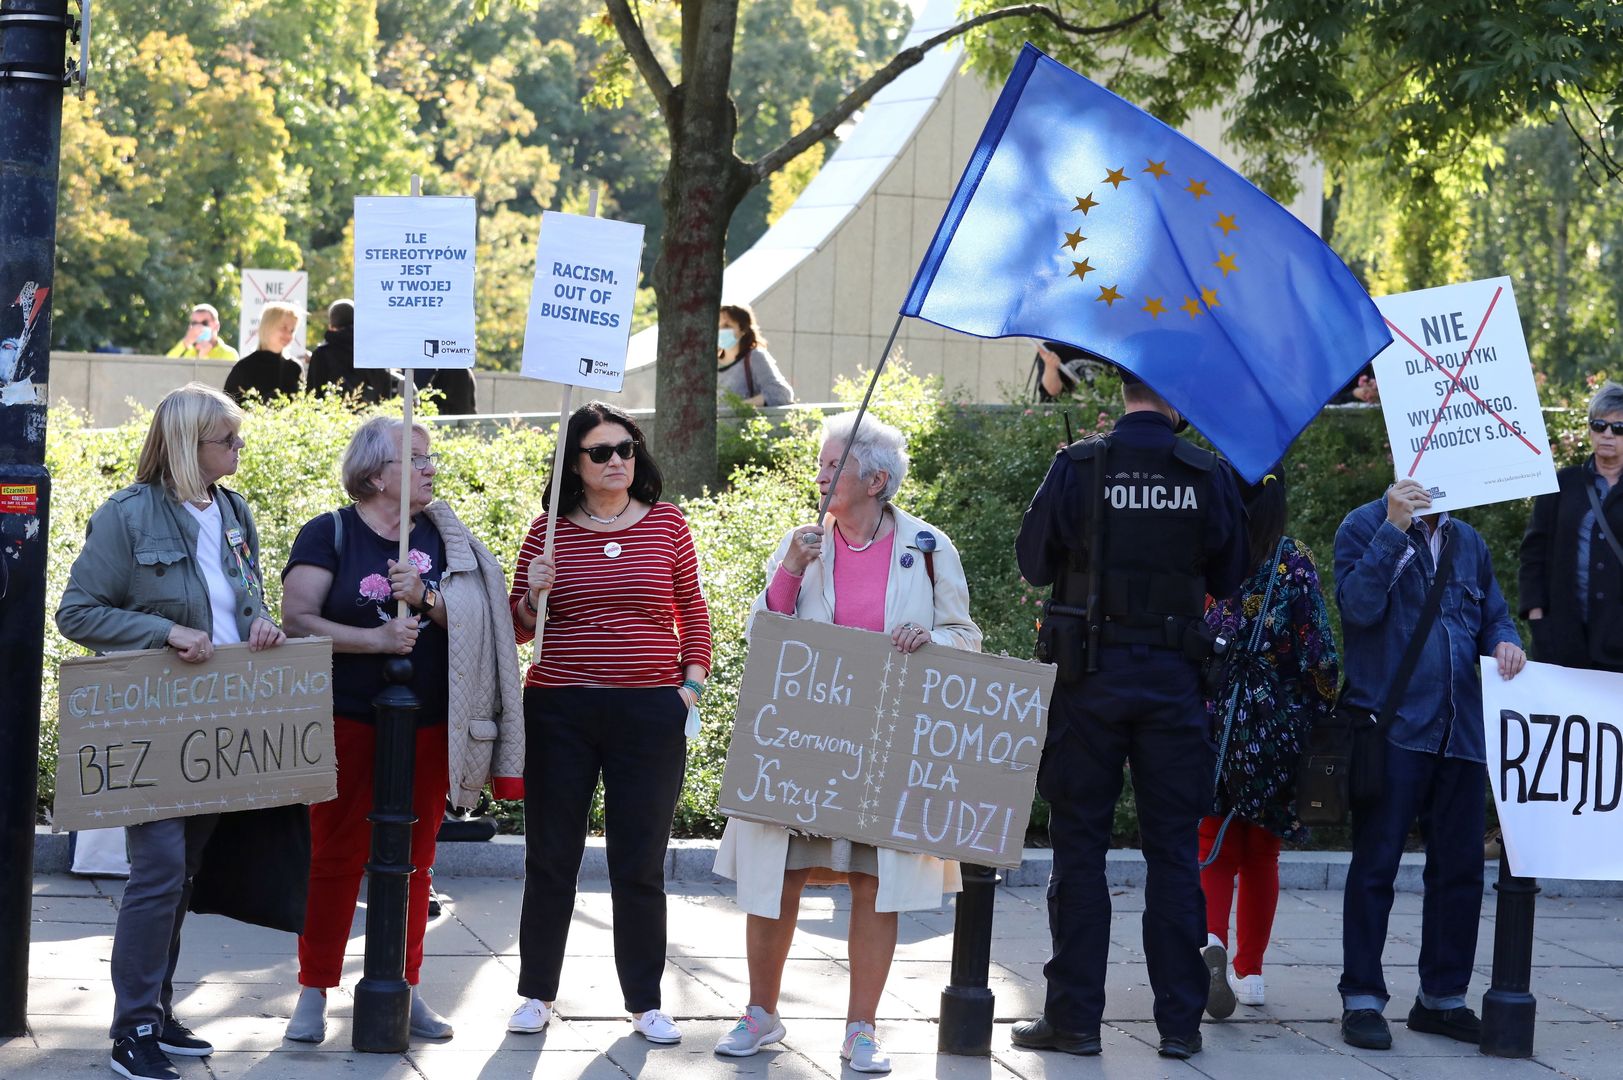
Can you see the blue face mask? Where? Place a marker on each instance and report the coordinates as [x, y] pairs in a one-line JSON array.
[[726, 337]]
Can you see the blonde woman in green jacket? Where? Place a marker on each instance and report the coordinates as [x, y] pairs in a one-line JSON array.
[[170, 561]]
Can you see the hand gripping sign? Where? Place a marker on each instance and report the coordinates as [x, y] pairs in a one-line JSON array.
[[1462, 410]]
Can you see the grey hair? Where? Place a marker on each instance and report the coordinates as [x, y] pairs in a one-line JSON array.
[[878, 447], [370, 451], [1607, 401]]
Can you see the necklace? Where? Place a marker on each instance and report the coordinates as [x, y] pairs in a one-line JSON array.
[[871, 536], [608, 520]]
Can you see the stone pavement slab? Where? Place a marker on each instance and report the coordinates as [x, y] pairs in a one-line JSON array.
[[237, 984]]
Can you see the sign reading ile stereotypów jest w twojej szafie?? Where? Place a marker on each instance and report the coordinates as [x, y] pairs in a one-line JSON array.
[[1462, 409], [414, 261], [581, 300]]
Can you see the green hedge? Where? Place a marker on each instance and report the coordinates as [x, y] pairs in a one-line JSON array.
[[974, 470]]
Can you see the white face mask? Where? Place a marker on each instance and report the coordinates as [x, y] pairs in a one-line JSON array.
[[726, 337]]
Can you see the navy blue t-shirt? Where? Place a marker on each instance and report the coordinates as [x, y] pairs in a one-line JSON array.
[[359, 596]]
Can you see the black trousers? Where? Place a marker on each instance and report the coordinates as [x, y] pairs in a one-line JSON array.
[[633, 739]]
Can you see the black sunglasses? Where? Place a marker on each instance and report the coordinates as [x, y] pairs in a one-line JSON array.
[[601, 454], [1597, 426]]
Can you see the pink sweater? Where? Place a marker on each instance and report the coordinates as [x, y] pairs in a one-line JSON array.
[[860, 578]]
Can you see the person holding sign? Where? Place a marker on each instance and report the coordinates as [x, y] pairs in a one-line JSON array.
[[613, 695], [1398, 567], [874, 567], [743, 367], [1572, 572], [172, 560], [343, 581]]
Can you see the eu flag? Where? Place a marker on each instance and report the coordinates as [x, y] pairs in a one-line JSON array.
[[1083, 219]]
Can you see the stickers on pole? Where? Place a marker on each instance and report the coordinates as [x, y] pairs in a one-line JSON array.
[[1462, 410], [414, 282], [261, 287], [581, 300]]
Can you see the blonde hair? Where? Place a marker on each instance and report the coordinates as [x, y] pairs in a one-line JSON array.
[[182, 420], [277, 313]]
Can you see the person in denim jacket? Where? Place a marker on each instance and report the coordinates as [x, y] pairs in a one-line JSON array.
[[1387, 552]]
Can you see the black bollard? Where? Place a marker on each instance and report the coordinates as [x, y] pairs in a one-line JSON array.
[[967, 1002], [1508, 1008], [383, 997]]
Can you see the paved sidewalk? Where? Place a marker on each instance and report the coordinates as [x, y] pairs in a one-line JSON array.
[[237, 985]]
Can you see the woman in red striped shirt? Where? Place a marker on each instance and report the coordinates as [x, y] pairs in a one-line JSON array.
[[625, 653]]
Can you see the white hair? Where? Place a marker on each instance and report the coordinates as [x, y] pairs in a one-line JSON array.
[[877, 447], [1608, 400]]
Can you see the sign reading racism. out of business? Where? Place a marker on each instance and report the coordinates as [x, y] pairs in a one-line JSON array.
[[1555, 764], [414, 282], [143, 736], [581, 300], [838, 734], [1462, 410]]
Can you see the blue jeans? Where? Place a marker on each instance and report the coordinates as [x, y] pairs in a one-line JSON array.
[[1447, 796]]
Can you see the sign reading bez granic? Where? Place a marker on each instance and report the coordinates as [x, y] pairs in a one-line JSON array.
[[838, 734], [143, 736]]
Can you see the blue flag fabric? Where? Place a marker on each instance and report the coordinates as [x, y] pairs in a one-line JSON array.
[[1083, 219]]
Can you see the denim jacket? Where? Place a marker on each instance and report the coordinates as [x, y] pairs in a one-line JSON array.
[[1382, 576], [137, 574]]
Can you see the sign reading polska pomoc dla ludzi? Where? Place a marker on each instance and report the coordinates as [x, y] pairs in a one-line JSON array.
[[839, 734]]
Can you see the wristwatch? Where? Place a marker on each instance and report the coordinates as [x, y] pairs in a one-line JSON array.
[[431, 599]]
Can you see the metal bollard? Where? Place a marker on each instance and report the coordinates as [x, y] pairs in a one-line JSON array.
[[967, 1003], [1508, 1008], [383, 997]]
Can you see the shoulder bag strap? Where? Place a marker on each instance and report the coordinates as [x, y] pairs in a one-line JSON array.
[[1428, 614], [749, 375], [1600, 519]]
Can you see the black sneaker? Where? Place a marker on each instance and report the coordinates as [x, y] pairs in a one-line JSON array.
[[1366, 1029], [1461, 1024], [1180, 1047], [1039, 1034], [139, 1057], [177, 1038]]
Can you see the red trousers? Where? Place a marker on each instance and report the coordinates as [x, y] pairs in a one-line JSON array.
[[1250, 853], [341, 840]]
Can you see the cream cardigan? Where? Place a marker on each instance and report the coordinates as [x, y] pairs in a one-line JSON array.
[[754, 854]]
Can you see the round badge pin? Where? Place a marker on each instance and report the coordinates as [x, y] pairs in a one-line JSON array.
[[907, 559], [612, 549]]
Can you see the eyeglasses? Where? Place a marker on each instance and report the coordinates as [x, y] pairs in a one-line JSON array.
[[230, 442], [200, 322], [1597, 426], [601, 454]]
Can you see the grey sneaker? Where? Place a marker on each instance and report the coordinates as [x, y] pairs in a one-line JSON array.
[[755, 1029], [1219, 994], [861, 1050]]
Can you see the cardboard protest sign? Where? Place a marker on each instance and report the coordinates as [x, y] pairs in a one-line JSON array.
[[1462, 410], [838, 734], [581, 300], [261, 287], [414, 282], [143, 736], [1555, 764]]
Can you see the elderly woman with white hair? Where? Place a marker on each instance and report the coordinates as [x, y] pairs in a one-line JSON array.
[[343, 581], [873, 567]]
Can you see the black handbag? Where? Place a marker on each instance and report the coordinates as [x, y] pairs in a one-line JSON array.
[[256, 868], [1344, 762]]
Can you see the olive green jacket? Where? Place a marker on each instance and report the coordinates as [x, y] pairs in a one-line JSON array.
[[137, 575]]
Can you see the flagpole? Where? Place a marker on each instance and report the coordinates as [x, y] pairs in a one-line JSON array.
[[862, 410]]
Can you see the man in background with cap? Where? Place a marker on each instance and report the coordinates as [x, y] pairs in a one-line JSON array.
[[202, 340]]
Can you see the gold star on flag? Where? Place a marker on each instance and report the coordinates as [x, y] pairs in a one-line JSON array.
[[1108, 294], [1210, 297], [1081, 269], [1191, 305], [1085, 203], [1153, 307], [1197, 188], [1225, 262], [1074, 238], [1226, 223], [1117, 178], [1157, 169]]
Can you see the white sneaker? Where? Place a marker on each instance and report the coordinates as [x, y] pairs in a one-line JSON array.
[[657, 1027], [861, 1050], [530, 1017], [1219, 995], [1247, 989], [754, 1029]]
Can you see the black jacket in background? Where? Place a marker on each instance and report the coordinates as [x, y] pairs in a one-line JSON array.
[[1549, 577], [333, 370], [264, 371], [455, 383]]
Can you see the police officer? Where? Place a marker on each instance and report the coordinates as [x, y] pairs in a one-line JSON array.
[[1133, 530]]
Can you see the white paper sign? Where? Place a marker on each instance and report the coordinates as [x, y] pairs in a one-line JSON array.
[[1462, 410], [414, 282], [1555, 764], [581, 300], [261, 287]]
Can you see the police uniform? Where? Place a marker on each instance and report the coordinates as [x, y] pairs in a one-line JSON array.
[[1172, 534]]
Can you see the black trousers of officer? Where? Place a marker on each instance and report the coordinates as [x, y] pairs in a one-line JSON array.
[[1144, 708]]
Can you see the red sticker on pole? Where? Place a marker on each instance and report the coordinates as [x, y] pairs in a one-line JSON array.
[[19, 498]]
